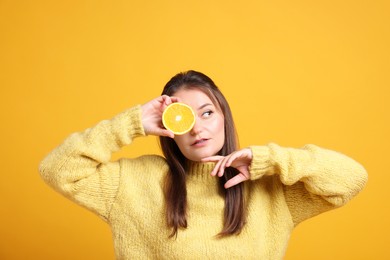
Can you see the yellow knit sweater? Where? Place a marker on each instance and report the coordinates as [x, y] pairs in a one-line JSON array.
[[287, 186]]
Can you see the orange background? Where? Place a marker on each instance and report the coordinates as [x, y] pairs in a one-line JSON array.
[[295, 72]]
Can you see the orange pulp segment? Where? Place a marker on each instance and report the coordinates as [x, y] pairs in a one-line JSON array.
[[179, 118]]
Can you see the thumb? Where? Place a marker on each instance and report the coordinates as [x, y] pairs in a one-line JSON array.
[[167, 133]]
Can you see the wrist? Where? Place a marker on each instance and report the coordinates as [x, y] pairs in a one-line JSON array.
[[261, 162], [135, 126]]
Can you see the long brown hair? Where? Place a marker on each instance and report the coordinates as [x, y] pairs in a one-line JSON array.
[[175, 188]]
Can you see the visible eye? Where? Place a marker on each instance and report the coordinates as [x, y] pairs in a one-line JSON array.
[[207, 114]]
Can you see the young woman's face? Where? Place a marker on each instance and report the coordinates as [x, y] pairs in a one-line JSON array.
[[208, 135]]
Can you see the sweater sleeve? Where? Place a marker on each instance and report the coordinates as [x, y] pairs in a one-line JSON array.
[[314, 179], [80, 167]]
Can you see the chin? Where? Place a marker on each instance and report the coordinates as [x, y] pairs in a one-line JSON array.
[[199, 157], [194, 159]]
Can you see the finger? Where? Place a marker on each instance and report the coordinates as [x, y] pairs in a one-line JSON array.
[[223, 166], [232, 158], [164, 132], [242, 157], [162, 98], [216, 158], [245, 172], [175, 99], [242, 154], [166, 100], [162, 102], [235, 180], [216, 168]]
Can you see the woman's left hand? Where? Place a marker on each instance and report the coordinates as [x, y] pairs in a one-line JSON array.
[[240, 160]]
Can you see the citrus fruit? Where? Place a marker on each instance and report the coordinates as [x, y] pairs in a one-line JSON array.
[[179, 118]]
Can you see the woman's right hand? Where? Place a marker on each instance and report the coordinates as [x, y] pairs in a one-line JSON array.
[[152, 116]]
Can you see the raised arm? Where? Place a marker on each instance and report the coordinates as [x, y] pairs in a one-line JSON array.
[[315, 179], [80, 167]]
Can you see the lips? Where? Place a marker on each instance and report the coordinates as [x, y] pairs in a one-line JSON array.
[[200, 141]]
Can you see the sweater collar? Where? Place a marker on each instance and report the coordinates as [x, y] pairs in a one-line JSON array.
[[201, 170]]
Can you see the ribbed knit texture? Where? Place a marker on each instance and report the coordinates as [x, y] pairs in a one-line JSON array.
[[287, 186]]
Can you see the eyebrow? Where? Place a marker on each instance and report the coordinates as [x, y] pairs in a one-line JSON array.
[[205, 105]]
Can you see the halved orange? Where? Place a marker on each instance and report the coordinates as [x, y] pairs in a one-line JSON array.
[[179, 118]]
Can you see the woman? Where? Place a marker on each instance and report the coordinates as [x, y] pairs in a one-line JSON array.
[[206, 198]]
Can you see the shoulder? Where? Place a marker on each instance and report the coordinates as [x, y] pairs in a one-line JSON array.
[[145, 162], [150, 162], [142, 173]]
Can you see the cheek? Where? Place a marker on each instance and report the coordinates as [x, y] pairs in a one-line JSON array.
[[218, 128], [182, 142], [179, 141]]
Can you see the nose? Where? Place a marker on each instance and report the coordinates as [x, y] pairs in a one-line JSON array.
[[197, 127]]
